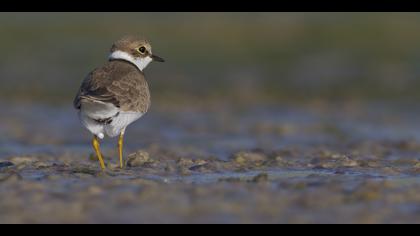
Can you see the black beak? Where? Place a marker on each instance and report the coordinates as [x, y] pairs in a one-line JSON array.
[[156, 58]]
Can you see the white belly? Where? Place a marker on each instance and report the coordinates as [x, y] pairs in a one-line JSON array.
[[120, 120]]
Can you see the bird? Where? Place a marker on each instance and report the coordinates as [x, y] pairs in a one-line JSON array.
[[115, 95]]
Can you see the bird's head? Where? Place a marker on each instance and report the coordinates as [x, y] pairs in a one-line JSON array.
[[135, 50]]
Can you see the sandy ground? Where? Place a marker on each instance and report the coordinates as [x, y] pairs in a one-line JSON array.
[[343, 164]]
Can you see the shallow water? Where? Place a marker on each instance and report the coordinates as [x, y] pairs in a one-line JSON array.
[[311, 163]]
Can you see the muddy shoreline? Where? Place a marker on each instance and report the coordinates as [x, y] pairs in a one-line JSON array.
[[275, 166]]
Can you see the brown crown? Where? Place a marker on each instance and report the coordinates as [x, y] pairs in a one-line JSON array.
[[130, 44]]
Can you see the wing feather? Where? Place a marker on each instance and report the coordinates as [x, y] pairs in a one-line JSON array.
[[118, 83]]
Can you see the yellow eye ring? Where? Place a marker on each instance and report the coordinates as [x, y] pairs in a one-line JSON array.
[[142, 50]]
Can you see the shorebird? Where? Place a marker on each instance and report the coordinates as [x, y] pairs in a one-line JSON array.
[[117, 94]]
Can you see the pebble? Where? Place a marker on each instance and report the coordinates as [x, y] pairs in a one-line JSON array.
[[138, 159], [244, 157], [21, 160]]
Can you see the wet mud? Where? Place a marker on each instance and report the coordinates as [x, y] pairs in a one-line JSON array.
[[312, 164]]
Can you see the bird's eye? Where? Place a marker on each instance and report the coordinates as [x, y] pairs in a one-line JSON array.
[[142, 49]]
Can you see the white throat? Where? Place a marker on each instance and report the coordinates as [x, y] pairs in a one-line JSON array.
[[141, 63]]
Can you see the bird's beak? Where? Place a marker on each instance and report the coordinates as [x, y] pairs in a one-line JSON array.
[[156, 58]]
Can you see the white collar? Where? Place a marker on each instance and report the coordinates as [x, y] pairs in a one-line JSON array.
[[140, 63]]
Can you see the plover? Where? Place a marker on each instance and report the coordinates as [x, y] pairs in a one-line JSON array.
[[117, 94]]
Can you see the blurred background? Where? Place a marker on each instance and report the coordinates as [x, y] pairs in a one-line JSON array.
[[230, 57]]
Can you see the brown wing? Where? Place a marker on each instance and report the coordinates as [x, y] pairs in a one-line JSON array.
[[119, 83], [91, 90]]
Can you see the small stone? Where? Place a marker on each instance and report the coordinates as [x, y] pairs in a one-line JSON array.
[[41, 164], [201, 162], [245, 157], [21, 160], [184, 162], [138, 159], [239, 159], [349, 163], [199, 166]]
